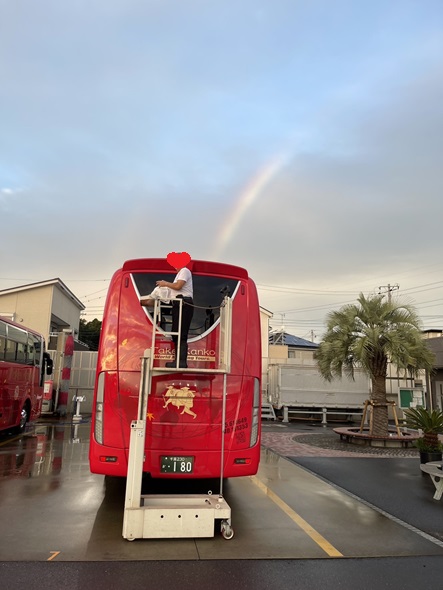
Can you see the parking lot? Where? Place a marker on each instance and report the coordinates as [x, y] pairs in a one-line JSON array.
[[306, 503]]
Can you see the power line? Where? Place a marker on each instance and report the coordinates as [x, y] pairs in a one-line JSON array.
[[283, 289], [388, 289], [94, 293]]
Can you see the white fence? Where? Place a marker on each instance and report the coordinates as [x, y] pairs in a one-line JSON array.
[[83, 368]]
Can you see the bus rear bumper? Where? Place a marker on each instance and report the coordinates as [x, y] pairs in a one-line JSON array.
[[206, 464]]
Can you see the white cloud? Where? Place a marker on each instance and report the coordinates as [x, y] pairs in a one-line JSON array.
[[136, 126], [10, 192]]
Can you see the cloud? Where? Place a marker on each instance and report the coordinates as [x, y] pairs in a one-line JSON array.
[[364, 205], [136, 127], [8, 193]]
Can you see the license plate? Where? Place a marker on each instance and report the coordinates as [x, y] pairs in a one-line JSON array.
[[174, 464]]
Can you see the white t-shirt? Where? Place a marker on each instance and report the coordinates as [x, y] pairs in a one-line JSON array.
[[184, 274]]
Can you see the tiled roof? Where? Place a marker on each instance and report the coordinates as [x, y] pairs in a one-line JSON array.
[[290, 340]]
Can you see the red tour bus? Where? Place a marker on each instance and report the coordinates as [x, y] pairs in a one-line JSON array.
[[23, 365], [184, 415]]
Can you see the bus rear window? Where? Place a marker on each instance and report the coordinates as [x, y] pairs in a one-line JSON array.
[[209, 293]]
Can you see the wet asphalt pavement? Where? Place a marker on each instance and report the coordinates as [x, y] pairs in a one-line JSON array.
[[395, 486], [388, 481]]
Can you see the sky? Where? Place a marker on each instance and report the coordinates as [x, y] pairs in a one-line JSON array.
[[299, 139]]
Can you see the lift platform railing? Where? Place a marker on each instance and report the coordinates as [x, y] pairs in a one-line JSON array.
[[223, 360]]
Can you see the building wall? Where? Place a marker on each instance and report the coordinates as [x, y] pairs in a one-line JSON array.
[[437, 389], [8, 306], [436, 377], [264, 327], [436, 345], [65, 309], [302, 357], [282, 353], [278, 351]]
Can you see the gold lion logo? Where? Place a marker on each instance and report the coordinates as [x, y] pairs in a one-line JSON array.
[[180, 397]]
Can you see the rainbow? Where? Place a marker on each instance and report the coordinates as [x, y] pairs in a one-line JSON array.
[[247, 198]]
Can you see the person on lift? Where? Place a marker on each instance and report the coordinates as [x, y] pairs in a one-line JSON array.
[[182, 288]]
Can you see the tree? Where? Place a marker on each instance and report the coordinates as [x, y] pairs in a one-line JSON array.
[[368, 335], [430, 423], [89, 333]]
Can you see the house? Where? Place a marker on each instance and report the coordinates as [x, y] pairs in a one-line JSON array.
[[436, 377], [286, 346], [47, 307]]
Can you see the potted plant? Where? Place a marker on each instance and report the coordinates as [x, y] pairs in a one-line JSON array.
[[431, 424]]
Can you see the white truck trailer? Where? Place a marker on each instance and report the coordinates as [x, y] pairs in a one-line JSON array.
[[300, 390]]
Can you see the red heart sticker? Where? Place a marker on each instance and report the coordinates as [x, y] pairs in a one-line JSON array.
[[178, 259]]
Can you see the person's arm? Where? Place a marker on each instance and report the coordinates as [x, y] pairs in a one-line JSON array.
[[176, 286], [147, 301]]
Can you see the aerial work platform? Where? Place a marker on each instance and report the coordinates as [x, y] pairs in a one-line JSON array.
[[175, 516]]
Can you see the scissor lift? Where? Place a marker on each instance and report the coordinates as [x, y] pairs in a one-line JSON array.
[[174, 516]]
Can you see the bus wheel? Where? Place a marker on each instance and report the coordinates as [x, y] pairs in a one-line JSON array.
[[24, 417]]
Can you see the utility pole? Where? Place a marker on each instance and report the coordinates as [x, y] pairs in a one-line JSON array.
[[388, 289]]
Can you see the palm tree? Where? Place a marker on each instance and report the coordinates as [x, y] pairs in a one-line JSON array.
[[369, 335]]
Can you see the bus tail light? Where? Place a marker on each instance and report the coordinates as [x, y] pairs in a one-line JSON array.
[[98, 430], [255, 413]]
